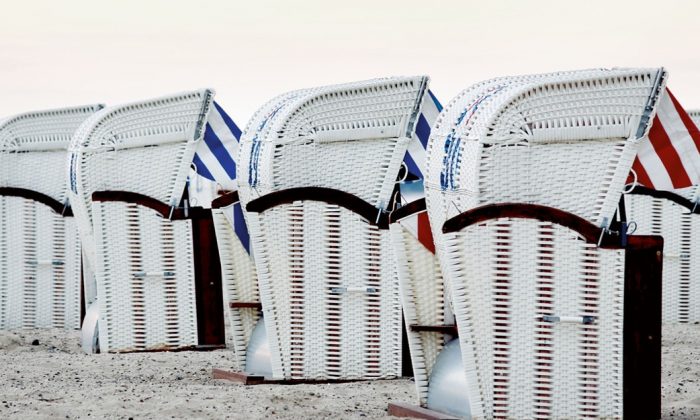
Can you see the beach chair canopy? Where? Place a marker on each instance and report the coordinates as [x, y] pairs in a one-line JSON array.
[[144, 147], [33, 147], [565, 140], [306, 134]]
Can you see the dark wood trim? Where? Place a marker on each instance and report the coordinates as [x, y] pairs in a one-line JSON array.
[[590, 232], [164, 210], [667, 195], [173, 349], [327, 195], [409, 209], [253, 305], [56, 206], [225, 200], [444, 329], [642, 328], [416, 412], [208, 284], [248, 379]]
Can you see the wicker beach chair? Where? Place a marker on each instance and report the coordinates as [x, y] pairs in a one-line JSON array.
[[318, 169], [523, 180], [40, 277], [154, 254], [424, 298], [675, 216]]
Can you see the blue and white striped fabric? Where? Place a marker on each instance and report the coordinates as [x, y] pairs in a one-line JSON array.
[[215, 160], [415, 155]]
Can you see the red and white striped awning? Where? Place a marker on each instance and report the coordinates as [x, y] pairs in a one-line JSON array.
[[671, 158]]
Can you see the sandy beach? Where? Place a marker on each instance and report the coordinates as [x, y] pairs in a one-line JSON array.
[[54, 379]]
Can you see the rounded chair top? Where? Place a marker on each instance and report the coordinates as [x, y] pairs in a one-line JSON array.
[[172, 118], [43, 130], [564, 139], [341, 136]]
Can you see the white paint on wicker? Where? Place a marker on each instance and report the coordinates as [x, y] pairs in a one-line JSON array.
[[680, 229], [566, 140], [240, 284], [40, 260], [352, 138], [517, 365], [577, 130], [423, 300], [143, 264]]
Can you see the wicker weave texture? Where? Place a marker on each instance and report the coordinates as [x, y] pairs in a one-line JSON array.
[[327, 279], [144, 147], [565, 140], [40, 267], [422, 292], [508, 274], [329, 291], [40, 261], [144, 276], [33, 147], [339, 125], [681, 273], [240, 285]]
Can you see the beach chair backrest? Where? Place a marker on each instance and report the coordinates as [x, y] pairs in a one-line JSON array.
[[347, 137], [33, 147], [565, 140], [144, 147]]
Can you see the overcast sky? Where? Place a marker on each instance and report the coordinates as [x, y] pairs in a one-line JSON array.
[[60, 53]]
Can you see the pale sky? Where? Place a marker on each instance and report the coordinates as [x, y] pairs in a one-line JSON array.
[[60, 53]]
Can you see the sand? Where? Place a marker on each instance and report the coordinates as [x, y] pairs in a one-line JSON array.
[[54, 379]]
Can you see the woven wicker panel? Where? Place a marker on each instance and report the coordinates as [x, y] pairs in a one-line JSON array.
[[240, 285], [359, 130], [566, 140], [511, 273], [145, 279], [144, 147], [40, 262], [33, 149], [423, 301], [681, 230], [305, 250]]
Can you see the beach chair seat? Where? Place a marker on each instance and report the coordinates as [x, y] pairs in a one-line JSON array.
[[318, 169], [523, 181], [40, 276], [154, 256]]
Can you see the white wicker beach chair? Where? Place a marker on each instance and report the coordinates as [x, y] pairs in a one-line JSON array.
[[154, 256], [426, 305], [40, 277], [676, 217], [671, 214], [523, 181], [317, 170]]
